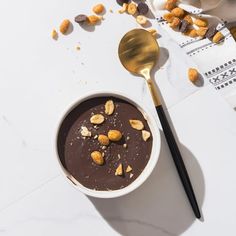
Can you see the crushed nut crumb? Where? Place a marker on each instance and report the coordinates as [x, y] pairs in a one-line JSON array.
[[145, 135], [119, 170], [128, 169], [54, 34], [85, 132]]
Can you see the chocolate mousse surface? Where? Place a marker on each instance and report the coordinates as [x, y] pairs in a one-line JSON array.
[[75, 150]]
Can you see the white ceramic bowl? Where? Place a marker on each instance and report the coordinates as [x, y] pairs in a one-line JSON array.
[[147, 170]]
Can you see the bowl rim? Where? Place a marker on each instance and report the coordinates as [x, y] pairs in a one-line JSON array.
[[154, 156]]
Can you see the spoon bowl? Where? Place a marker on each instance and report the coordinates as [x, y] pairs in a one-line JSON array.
[[138, 51]]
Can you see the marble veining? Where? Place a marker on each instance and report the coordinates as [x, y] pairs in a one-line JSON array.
[[78, 217], [140, 223], [37, 188]]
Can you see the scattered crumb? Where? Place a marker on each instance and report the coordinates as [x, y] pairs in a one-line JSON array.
[[131, 175], [85, 132], [119, 170], [128, 169], [153, 32], [145, 135], [78, 48], [125, 145], [54, 34], [111, 11]]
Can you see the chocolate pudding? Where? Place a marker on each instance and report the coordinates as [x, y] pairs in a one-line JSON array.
[[104, 143]]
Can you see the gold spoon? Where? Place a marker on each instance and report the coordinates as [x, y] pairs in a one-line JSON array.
[[138, 53]]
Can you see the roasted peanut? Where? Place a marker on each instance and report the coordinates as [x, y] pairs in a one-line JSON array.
[[97, 157], [114, 135], [178, 12], [202, 31], [189, 19], [201, 22], [98, 9], [93, 19], [175, 22], [124, 8], [103, 140], [65, 25], [142, 20], [136, 124], [191, 33], [109, 107], [218, 37], [132, 8], [193, 75], [97, 119], [168, 17], [170, 4]]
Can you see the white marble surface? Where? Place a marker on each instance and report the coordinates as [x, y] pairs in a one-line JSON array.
[[40, 78]]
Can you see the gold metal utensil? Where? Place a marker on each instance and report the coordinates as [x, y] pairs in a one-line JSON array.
[[138, 53]]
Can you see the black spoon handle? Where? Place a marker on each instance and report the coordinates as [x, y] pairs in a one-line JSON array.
[[178, 160]]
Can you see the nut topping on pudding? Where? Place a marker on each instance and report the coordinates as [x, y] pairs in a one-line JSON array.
[[105, 143]]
